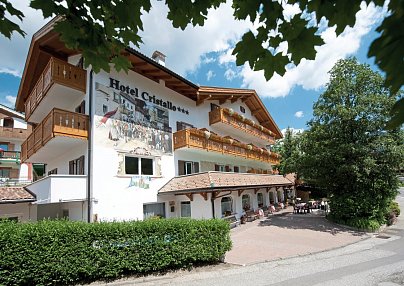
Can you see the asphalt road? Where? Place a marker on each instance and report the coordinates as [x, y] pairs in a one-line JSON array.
[[378, 260]]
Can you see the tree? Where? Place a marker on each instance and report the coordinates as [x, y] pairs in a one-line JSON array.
[[102, 29], [289, 149], [346, 151]]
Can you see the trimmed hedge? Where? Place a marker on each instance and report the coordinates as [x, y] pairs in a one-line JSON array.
[[64, 252]]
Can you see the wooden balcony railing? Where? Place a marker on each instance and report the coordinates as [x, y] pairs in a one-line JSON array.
[[237, 121], [57, 123], [10, 155], [200, 139], [59, 72]]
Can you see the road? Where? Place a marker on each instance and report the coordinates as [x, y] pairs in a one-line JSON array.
[[378, 260]]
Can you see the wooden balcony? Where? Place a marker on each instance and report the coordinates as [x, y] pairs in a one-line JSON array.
[[67, 79], [61, 124], [14, 155], [205, 140], [14, 133], [241, 126]]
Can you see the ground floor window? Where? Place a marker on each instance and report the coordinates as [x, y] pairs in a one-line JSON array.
[[226, 205], [260, 200], [154, 210], [185, 209], [5, 172], [245, 202]]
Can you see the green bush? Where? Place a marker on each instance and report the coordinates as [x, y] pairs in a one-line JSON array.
[[360, 223], [64, 252], [395, 208]]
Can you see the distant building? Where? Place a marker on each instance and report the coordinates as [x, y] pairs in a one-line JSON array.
[[15, 201]]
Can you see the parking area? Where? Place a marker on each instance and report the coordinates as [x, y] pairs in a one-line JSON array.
[[286, 234]]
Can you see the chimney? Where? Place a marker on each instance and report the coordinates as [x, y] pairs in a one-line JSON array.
[[159, 57]]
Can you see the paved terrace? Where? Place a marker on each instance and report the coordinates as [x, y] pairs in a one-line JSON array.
[[285, 234]]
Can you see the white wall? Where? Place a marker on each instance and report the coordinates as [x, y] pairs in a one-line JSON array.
[[56, 188], [62, 162], [24, 211], [77, 210]]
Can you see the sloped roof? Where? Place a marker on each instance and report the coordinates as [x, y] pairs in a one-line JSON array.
[[212, 180], [15, 195]]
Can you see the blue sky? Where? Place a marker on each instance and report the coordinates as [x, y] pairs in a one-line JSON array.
[[203, 55]]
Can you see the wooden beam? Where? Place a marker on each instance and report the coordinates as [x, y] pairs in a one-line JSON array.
[[256, 191], [222, 101], [204, 195], [234, 99], [240, 192], [139, 64], [268, 189], [190, 197], [215, 194], [254, 112], [151, 71], [202, 98], [165, 76], [244, 99]]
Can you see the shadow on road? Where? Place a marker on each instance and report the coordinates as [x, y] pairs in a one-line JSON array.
[[320, 223]]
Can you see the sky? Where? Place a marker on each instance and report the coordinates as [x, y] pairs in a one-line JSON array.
[[203, 56]]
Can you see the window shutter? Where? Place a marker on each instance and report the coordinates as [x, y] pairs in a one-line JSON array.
[[216, 167], [179, 125], [10, 147], [181, 167], [196, 167], [71, 167], [81, 165], [83, 107], [227, 168]]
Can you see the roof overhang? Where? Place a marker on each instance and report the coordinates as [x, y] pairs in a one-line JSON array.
[[248, 96]]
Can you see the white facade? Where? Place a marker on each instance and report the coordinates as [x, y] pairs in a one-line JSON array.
[[129, 154]]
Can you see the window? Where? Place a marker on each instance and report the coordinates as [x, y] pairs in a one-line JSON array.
[[104, 109], [81, 108], [242, 109], [3, 146], [134, 164], [214, 106], [219, 168], [183, 125], [8, 122], [271, 198], [5, 172], [187, 167], [65, 213], [154, 210], [76, 166], [185, 209], [116, 97], [53, 171], [236, 169], [245, 202], [227, 205], [260, 200]]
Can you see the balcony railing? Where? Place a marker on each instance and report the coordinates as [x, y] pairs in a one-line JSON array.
[[59, 72], [238, 121], [57, 123], [205, 140], [16, 155]]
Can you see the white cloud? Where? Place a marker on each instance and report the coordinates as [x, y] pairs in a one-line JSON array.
[[13, 53], [299, 114], [313, 74], [294, 130], [185, 49], [230, 74], [209, 75], [7, 100]]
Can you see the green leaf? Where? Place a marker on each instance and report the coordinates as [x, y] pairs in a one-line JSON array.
[[270, 64], [397, 115]]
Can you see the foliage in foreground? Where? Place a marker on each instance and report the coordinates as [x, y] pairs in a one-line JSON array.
[[346, 151], [64, 252]]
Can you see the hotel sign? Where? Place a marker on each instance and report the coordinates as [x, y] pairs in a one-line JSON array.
[[114, 83]]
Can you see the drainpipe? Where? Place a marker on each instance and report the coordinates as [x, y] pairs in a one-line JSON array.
[[89, 151], [212, 200]]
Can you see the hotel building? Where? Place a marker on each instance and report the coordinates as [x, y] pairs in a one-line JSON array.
[[127, 146]]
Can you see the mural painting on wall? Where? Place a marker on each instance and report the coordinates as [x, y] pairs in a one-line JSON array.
[[141, 182], [128, 123]]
